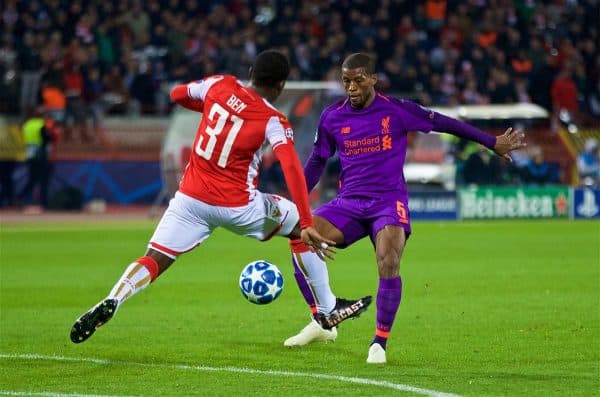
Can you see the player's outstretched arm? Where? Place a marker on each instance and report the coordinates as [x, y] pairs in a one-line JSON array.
[[501, 145], [509, 141], [292, 171], [179, 95]]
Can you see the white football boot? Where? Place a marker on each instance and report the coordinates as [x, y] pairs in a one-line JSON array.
[[313, 332], [376, 354]]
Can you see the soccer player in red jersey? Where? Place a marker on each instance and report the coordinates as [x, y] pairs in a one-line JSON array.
[[369, 131], [218, 187]]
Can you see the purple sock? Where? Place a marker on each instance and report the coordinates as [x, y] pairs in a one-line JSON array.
[[304, 288], [388, 301]]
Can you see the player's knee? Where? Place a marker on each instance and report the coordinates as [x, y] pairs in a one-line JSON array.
[[289, 217], [388, 264]]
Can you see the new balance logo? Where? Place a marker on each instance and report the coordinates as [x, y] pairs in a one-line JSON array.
[[345, 130]]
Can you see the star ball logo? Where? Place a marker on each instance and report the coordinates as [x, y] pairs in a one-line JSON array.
[[588, 207], [289, 133]]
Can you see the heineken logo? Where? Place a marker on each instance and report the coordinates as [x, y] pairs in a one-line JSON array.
[[514, 203]]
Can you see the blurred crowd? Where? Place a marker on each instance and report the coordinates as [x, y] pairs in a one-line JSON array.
[[84, 58], [79, 60]]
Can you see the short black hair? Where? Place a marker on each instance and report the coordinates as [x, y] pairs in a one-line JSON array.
[[360, 60], [270, 68]]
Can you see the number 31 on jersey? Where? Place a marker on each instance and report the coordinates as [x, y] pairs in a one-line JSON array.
[[205, 147]]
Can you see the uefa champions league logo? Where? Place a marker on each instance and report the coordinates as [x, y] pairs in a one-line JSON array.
[[588, 207]]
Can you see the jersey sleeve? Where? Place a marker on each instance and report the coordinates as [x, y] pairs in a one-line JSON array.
[[418, 118], [279, 131], [192, 95], [280, 135], [415, 117], [324, 145], [197, 90], [323, 148]]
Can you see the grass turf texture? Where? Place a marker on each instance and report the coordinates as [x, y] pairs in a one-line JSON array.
[[496, 308]]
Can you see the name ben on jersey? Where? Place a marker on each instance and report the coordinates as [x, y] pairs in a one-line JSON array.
[[236, 104]]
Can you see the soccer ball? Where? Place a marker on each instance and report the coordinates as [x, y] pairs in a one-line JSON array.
[[261, 282]]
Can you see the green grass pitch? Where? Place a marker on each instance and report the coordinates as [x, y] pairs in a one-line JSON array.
[[489, 309]]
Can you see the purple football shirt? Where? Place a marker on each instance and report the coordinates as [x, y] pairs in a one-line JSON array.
[[371, 143]]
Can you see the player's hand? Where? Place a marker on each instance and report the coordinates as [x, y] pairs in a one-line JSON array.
[[317, 243], [509, 141]]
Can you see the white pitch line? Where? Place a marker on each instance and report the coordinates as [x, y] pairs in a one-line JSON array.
[[50, 394], [362, 381]]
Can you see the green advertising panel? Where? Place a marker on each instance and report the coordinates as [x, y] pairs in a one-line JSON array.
[[514, 202]]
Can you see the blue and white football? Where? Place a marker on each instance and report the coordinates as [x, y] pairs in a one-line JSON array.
[[261, 282]]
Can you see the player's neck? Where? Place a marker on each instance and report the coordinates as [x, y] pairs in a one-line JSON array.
[[267, 93]]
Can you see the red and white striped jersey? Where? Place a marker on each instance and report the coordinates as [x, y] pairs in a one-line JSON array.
[[236, 125]]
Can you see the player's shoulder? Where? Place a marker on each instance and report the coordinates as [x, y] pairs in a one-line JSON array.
[[406, 105], [220, 81], [334, 107], [393, 101], [270, 110]]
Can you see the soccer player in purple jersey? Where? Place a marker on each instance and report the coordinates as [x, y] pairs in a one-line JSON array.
[[369, 131]]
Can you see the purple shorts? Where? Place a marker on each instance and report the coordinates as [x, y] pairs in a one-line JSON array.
[[358, 217]]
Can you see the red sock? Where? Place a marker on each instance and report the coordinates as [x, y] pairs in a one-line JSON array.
[[151, 265]]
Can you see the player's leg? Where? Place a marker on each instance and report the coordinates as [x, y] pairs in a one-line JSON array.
[[269, 215], [311, 271], [312, 275], [137, 276], [389, 246], [179, 230], [390, 228]]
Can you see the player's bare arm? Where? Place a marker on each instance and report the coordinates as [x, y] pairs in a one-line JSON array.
[[318, 244]]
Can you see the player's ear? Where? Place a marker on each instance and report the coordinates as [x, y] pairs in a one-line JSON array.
[[374, 78], [281, 85]]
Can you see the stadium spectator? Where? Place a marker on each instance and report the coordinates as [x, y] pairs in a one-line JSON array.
[[482, 169], [593, 100], [588, 163], [537, 171], [372, 200], [39, 136], [436, 14], [9, 85], [116, 96], [542, 80], [30, 64], [75, 117], [471, 95], [217, 188], [8, 164], [511, 37], [143, 90], [54, 101], [564, 94]]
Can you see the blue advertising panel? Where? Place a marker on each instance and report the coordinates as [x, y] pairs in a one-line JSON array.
[[116, 182], [586, 203], [432, 205]]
